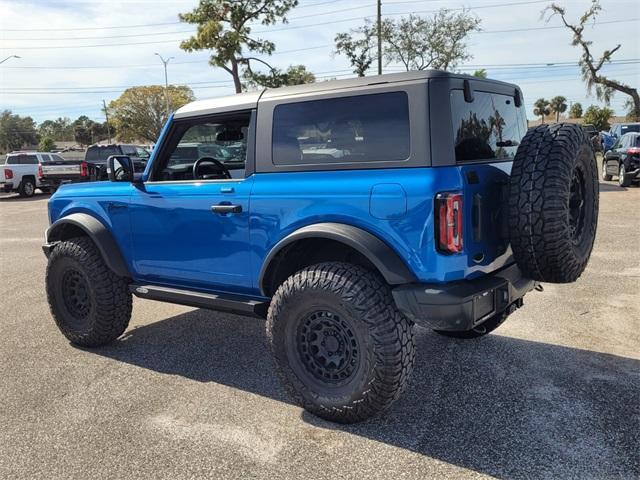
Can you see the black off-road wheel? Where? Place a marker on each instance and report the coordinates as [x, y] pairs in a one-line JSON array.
[[342, 349], [90, 304], [27, 187], [553, 203]]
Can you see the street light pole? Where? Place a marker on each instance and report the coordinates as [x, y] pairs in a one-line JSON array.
[[166, 81], [10, 56], [379, 37]]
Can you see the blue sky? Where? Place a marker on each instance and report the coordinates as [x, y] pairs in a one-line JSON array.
[[56, 41]]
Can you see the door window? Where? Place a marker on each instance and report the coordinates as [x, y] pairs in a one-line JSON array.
[[213, 148]]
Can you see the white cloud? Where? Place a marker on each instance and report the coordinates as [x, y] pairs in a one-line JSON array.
[[55, 24]]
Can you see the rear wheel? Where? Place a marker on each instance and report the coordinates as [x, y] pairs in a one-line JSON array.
[[27, 187], [90, 304], [342, 349], [605, 175], [623, 179]]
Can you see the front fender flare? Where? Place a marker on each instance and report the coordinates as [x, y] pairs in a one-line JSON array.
[[95, 230], [382, 256]]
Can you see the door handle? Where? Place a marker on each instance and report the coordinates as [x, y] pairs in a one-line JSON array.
[[223, 208]]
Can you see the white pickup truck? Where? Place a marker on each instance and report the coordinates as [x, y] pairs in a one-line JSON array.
[[22, 172]]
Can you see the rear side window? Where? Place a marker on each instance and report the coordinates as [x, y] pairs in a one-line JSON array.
[[364, 128], [128, 150], [45, 157], [100, 154], [488, 128]]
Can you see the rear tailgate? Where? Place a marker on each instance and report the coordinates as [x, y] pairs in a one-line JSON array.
[[58, 170]]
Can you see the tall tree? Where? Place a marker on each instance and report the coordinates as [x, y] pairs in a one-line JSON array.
[[576, 110], [599, 117], [223, 28], [541, 108], [294, 75], [46, 144], [359, 46], [16, 131], [439, 41], [591, 67], [558, 105], [140, 112]]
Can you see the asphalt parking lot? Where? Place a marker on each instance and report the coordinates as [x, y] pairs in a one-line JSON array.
[[187, 393]]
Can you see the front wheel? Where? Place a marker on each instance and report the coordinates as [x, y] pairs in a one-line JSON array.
[[90, 304], [605, 175], [623, 179], [342, 349]]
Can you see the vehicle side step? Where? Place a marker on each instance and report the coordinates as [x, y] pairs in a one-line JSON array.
[[212, 301]]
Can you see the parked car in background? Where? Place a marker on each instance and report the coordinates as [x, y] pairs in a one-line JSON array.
[[590, 129], [22, 172], [617, 130], [623, 160], [93, 167]]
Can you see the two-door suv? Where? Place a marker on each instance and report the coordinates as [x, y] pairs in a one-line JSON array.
[[343, 212]]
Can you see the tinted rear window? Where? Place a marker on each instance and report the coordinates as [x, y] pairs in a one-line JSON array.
[[630, 128], [489, 128], [363, 128], [100, 154]]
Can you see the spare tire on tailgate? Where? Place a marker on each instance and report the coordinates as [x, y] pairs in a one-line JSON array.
[[553, 203]]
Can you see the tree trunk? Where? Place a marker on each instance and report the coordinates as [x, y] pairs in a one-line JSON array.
[[236, 76]]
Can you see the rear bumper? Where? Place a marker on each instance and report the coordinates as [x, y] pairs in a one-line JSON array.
[[463, 305], [6, 186]]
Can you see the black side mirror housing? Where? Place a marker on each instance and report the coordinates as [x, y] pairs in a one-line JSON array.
[[120, 168]]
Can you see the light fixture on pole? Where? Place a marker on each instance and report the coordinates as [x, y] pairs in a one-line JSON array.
[[10, 56], [166, 81]]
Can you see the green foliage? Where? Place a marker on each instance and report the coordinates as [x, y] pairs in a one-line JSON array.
[[140, 112], [541, 108], [599, 117], [86, 131], [438, 41], [59, 130], [482, 73], [294, 75], [16, 131], [46, 144], [224, 29], [558, 105], [359, 46], [591, 67], [576, 110]]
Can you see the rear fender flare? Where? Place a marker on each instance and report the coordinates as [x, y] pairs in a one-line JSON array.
[[382, 256]]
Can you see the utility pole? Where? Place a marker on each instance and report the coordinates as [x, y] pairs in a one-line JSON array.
[[379, 37], [106, 115], [166, 81]]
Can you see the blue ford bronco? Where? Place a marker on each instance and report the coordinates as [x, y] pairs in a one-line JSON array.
[[344, 213]]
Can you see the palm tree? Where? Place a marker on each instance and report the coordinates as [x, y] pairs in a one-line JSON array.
[[541, 108], [558, 105]]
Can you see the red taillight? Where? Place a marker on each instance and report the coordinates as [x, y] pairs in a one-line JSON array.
[[84, 169], [449, 222], [633, 151], [8, 174], [40, 174]]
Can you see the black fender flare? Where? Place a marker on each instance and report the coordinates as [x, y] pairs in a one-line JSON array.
[[99, 234], [382, 256]]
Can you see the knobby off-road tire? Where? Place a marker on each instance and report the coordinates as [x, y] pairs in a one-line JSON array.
[[90, 304], [553, 203], [342, 349]]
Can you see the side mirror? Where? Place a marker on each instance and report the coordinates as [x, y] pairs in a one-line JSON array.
[[120, 168]]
